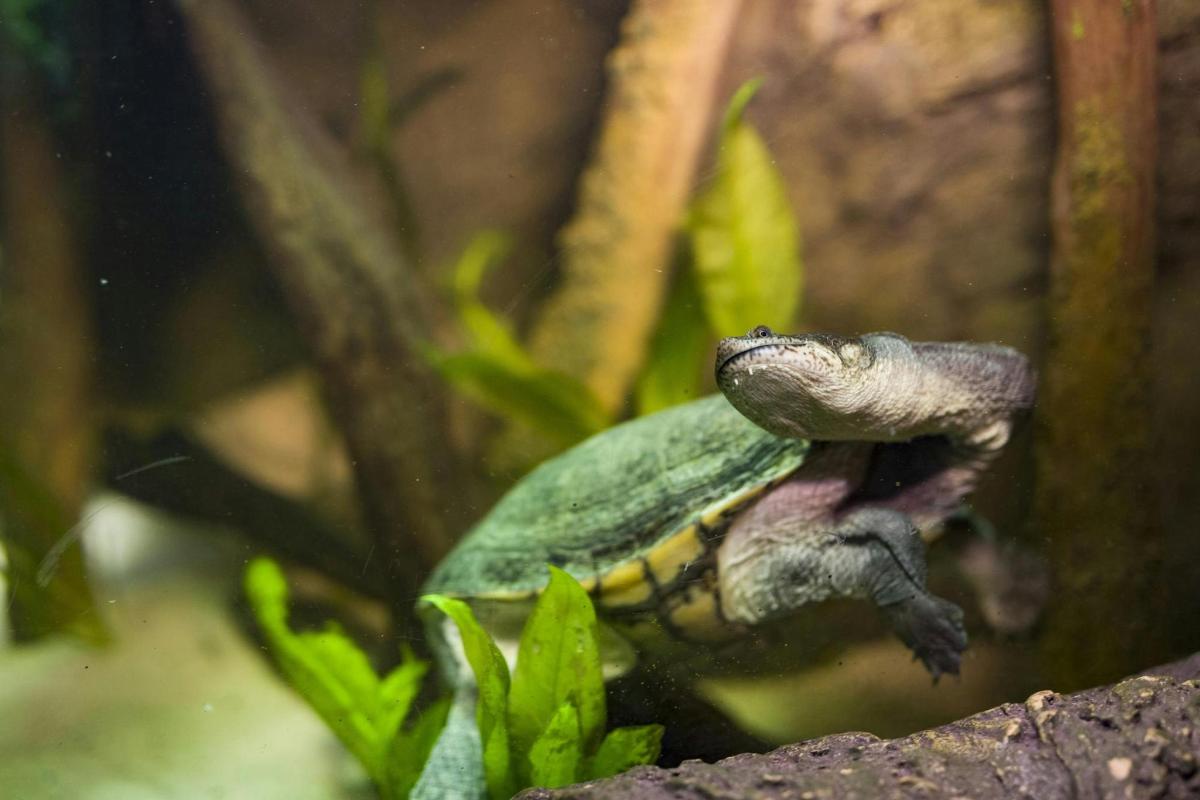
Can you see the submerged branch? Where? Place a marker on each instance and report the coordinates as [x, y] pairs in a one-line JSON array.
[[616, 251], [203, 488], [1139, 738], [346, 280], [47, 419]]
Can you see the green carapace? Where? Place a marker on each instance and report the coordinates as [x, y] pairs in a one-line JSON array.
[[635, 514]]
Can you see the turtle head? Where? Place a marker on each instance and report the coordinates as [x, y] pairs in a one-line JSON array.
[[811, 386]]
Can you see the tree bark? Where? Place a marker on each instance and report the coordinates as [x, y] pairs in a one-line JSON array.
[[1094, 501], [361, 310], [47, 403], [1137, 739], [617, 249], [206, 489]]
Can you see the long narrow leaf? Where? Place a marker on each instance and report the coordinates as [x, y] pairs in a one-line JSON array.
[[555, 756], [396, 694], [496, 371], [743, 233], [325, 668], [551, 402], [489, 334], [491, 677], [408, 751], [344, 659], [624, 748], [678, 350], [558, 662]]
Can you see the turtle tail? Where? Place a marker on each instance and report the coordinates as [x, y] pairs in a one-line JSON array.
[[454, 770]]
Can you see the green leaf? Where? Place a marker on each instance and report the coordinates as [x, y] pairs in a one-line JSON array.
[[558, 662], [326, 668], [491, 676], [409, 749], [374, 100], [496, 371], [488, 334], [341, 655], [396, 694], [555, 756], [334, 676], [678, 351], [743, 233], [624, 748], [551, 402]]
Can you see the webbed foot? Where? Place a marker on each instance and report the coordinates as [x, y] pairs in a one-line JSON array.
[[932, 628]]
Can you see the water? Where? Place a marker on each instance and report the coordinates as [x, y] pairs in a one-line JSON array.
[[325, 283]]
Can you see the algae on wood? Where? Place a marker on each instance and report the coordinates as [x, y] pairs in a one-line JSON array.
[[1095, 501]]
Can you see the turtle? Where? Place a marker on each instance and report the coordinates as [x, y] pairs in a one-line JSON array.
[[818, 472]]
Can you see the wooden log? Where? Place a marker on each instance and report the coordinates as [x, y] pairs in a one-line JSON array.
[[358, 303], [1094, 502], [204, 488], [617, 248], [1137, 739], [47, 378]]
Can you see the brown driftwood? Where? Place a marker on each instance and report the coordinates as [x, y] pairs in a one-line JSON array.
[[47, 419], [358, 303], [204, 488], [1137, 739], [616, 250], [1092, 502]]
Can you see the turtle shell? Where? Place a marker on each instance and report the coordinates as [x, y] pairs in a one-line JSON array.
[[637, 503]]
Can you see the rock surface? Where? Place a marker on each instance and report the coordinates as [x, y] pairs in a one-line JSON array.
[[1138, 738]]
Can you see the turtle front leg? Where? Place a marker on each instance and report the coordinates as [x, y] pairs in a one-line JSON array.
[[768, 569]]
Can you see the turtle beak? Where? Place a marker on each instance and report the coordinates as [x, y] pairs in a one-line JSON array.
[[731, 347], [727, 348]]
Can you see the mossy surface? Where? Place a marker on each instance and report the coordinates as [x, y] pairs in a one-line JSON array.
[[1095, 503]]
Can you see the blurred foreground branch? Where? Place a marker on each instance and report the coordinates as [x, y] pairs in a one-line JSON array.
[[1095, 499], [348, 284], [1137, 739], [204, 488], [47, 414], [616, 251]]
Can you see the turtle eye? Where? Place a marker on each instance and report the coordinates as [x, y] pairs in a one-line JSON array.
[[761, 332]]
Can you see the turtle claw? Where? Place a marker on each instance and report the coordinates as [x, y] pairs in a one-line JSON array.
[[932, 628]]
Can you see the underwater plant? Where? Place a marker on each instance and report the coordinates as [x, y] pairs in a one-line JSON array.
[[743, 266], [738, 266], [543, 725], [497, 372], [335, 678]]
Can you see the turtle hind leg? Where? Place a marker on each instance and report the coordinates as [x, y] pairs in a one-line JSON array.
[[767, 572]]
